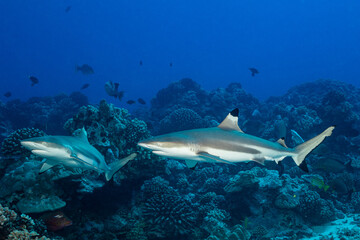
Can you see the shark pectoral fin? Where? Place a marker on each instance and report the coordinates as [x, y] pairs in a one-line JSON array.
[[259, 160], [281, 141], [211, 157], [191, 164], [231, 121], [45, 167]]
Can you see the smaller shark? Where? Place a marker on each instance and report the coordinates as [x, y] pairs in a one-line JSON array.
[[227, 143], [72, 152]]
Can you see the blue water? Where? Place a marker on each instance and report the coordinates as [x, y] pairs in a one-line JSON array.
[[212, 42]]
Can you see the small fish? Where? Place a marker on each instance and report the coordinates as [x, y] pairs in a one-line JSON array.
[[141, 63], [112, 89], [170, 64], [33, 80], [130, 102], [253, 71], [56, 221], [7, 94], [296, 137], [85, 69], [141, 101], [85, 86], [318, 182], [67, 9]]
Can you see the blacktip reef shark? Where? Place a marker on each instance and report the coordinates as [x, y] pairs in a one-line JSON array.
[[72, 152], [227, 143]]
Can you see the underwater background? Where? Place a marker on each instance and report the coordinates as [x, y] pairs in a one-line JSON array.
[[126, 70]]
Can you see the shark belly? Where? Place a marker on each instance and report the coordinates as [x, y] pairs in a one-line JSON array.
[[250, 153], [231, 156]]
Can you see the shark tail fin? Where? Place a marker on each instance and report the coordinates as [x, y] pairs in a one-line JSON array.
[[115, 166], [305, 148]]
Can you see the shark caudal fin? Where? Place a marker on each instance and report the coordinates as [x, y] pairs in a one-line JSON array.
[[115, 166], [305, 148]]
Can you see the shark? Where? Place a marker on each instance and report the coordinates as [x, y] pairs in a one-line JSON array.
[[72, 152], [227, 143]]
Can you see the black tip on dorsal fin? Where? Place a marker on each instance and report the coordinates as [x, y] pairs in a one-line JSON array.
[[235, 112], [283, 138], [303, 166]]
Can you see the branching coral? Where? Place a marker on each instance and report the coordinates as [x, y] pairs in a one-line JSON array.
[[14, 226]]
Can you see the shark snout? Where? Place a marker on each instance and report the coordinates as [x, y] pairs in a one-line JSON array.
[[144, 144], [149, 144], [31, 145]]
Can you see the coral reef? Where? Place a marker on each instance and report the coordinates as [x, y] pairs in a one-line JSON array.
[[11, 146], [165, 210], [115, 134], [155, 198], [15, 226], [181, 119], [45, 113]]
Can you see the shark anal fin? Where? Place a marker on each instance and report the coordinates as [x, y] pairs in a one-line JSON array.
[[191, 164], [281, 141], [259, 160], [231, 121], [211, 157], [45, 167]]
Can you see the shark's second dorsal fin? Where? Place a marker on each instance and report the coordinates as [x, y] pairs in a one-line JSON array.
[[83, 135], [281, 141], [231, 121]]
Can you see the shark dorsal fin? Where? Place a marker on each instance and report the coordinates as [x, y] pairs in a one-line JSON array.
[[281, 141], [231, 121], [83, 135]]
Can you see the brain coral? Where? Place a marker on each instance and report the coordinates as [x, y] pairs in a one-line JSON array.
[[181, 119]]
